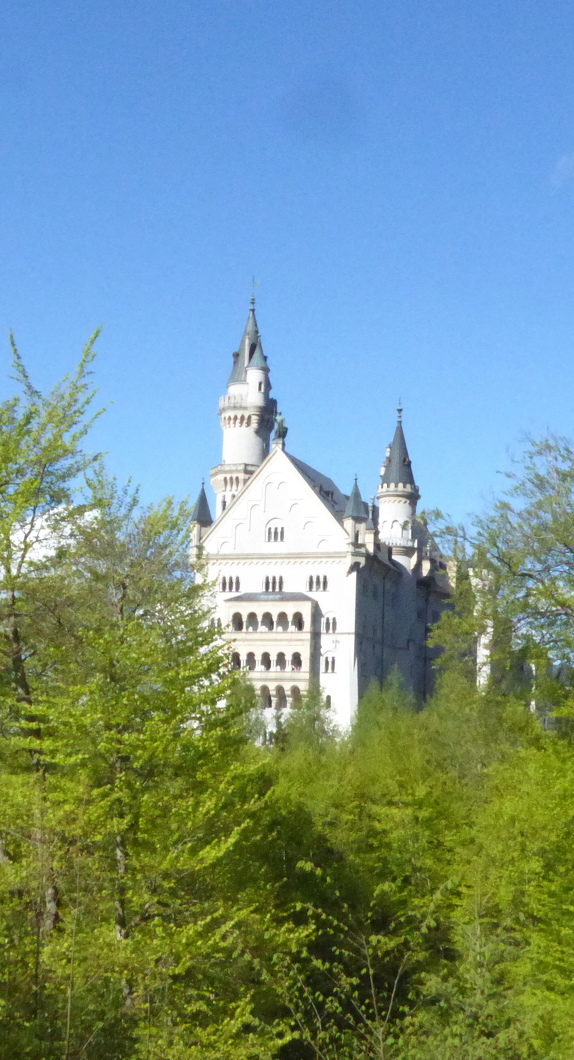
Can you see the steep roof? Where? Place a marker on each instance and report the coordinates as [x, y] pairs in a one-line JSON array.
[[200, 512], [247, 347], [324, 487], [258, 359], [398, 470], [355, 507]]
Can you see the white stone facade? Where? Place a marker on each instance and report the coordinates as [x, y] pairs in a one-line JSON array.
[[307, 588]]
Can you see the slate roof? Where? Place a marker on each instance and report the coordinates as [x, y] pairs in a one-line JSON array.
[[247, 346], [398, 470], [324, 486], [200, 512], [355, 507]]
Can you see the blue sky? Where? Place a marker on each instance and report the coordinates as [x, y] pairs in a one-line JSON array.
[[397, 174]]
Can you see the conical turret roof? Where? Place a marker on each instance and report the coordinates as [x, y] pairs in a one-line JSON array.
[[355, 508], [247, 347], [200, 512], [398, 470], [258, 359]]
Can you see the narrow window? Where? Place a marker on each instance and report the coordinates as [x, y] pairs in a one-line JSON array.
[[317, 584], [235, 661], [333, 665], [267, 585], [224, 585], [310, 583], [248, 421], [282, 534], [260, 387], [274, 585], [326, 665], [237, 583], [270, 534], [280, 585], [275, 534], [334, 625], [325, 583], [328, 702], [327, 625]]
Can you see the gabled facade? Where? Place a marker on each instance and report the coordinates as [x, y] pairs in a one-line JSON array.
[[313, 585]]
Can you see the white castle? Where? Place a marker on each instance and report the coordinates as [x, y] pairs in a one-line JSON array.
[[313, 585]]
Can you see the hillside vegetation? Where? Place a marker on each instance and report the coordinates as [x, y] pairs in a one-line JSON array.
[[175, 887]]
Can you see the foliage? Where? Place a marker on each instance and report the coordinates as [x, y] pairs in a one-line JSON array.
[[175, 884]]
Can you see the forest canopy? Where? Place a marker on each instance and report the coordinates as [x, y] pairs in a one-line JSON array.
[[174, 885]]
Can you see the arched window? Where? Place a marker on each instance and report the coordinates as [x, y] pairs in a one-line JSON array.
[[296, 661], [282, 534], [282, 622], [280, 698], [224, 585], [248, 421], [237, 583], [235, 421], [235, 661], [274, 585], [265, 696], [237, 483], [276, 533], [317, 584], [266, 661], [295, 695], [237, 622], [280, 585], [324, 583], [281, 661], [252, 623], [333, 664], [241, 421], [218, 623], [267, 621], [310, 585], [270, 534], [297, 621], [326, 667], [267, 585], [334, 625], [250, 660], [327, 625], [328, 702]]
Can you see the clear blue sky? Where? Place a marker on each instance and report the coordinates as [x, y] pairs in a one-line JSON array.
[[398, 175]]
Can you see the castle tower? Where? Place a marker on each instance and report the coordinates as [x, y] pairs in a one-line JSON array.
[[247, 414], [397, 496]]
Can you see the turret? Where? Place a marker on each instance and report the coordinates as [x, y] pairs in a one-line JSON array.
[[397, 497], [200, 521], [246, 413], [354, 519]]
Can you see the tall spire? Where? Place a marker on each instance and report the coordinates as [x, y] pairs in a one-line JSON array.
[[355, 508], [397, 468], [200, 512], [247, 346]]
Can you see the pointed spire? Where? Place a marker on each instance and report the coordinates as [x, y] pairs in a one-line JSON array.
[[258, 359], [247, 346], [355, 508], [398, 470], [200, 512]]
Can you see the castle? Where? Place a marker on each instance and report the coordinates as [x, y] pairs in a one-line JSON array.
[[313, 585]]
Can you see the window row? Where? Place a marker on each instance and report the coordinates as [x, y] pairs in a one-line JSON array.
[[252, 623], [267, 662], [280, 696], [316, 583], [231, 483], [237, 421], [273, 585], [230, 585], [329, 665], [330, 625], [275, 533]]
